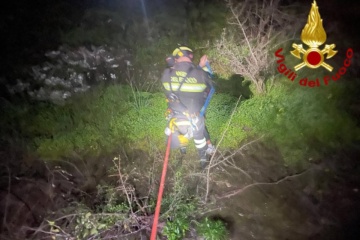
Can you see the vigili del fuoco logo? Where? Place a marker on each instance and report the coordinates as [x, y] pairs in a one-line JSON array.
[[311, 56]]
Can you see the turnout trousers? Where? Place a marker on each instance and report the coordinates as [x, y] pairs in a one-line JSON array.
[[184, 130]]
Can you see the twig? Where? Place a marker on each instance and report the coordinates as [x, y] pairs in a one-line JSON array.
[[71, 164], [241, 190], [126, 235], [118, 167], [221, 139], [244, 34], [235, 152]]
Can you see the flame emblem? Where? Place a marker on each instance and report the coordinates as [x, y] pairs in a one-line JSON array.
[[313, 35]]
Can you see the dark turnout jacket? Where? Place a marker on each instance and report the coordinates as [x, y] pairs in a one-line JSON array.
[[189, 83]]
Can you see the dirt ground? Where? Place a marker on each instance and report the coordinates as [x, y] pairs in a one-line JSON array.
[[252, 191]]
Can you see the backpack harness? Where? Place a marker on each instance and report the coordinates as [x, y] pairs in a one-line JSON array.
[[173, 97]]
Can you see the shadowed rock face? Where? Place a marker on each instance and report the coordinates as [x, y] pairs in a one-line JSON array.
[[69, 71]]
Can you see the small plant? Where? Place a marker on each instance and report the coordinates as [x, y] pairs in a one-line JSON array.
[[81, 224], [139, 99], [87, 225], [179, 209], [212, 229], [177, 228]]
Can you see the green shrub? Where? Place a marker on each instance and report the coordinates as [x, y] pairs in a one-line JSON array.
[[98, 122], [178, 208], [212, 229], [298, 119], [82, 125], [144, 124], [218, 113], [176, 229]]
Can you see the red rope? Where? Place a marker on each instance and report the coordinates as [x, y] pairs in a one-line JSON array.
[[161, 189]]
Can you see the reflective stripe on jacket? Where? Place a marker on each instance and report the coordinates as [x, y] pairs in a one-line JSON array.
[[189, 83]]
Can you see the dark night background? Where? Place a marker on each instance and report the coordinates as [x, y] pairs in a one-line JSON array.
[[30, 29]]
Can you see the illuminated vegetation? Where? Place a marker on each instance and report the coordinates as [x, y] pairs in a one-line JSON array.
[[111, 118]]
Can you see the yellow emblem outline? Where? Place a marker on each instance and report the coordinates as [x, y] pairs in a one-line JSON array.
[[313, 35]]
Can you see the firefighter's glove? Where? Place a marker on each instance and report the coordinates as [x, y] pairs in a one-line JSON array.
[[167, 131], [210, 149]]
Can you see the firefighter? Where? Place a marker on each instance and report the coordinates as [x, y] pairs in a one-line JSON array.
[[186, 88]]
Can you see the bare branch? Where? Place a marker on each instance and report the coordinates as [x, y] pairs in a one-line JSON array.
[[245, 45], [257, 184], [212, 158]]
